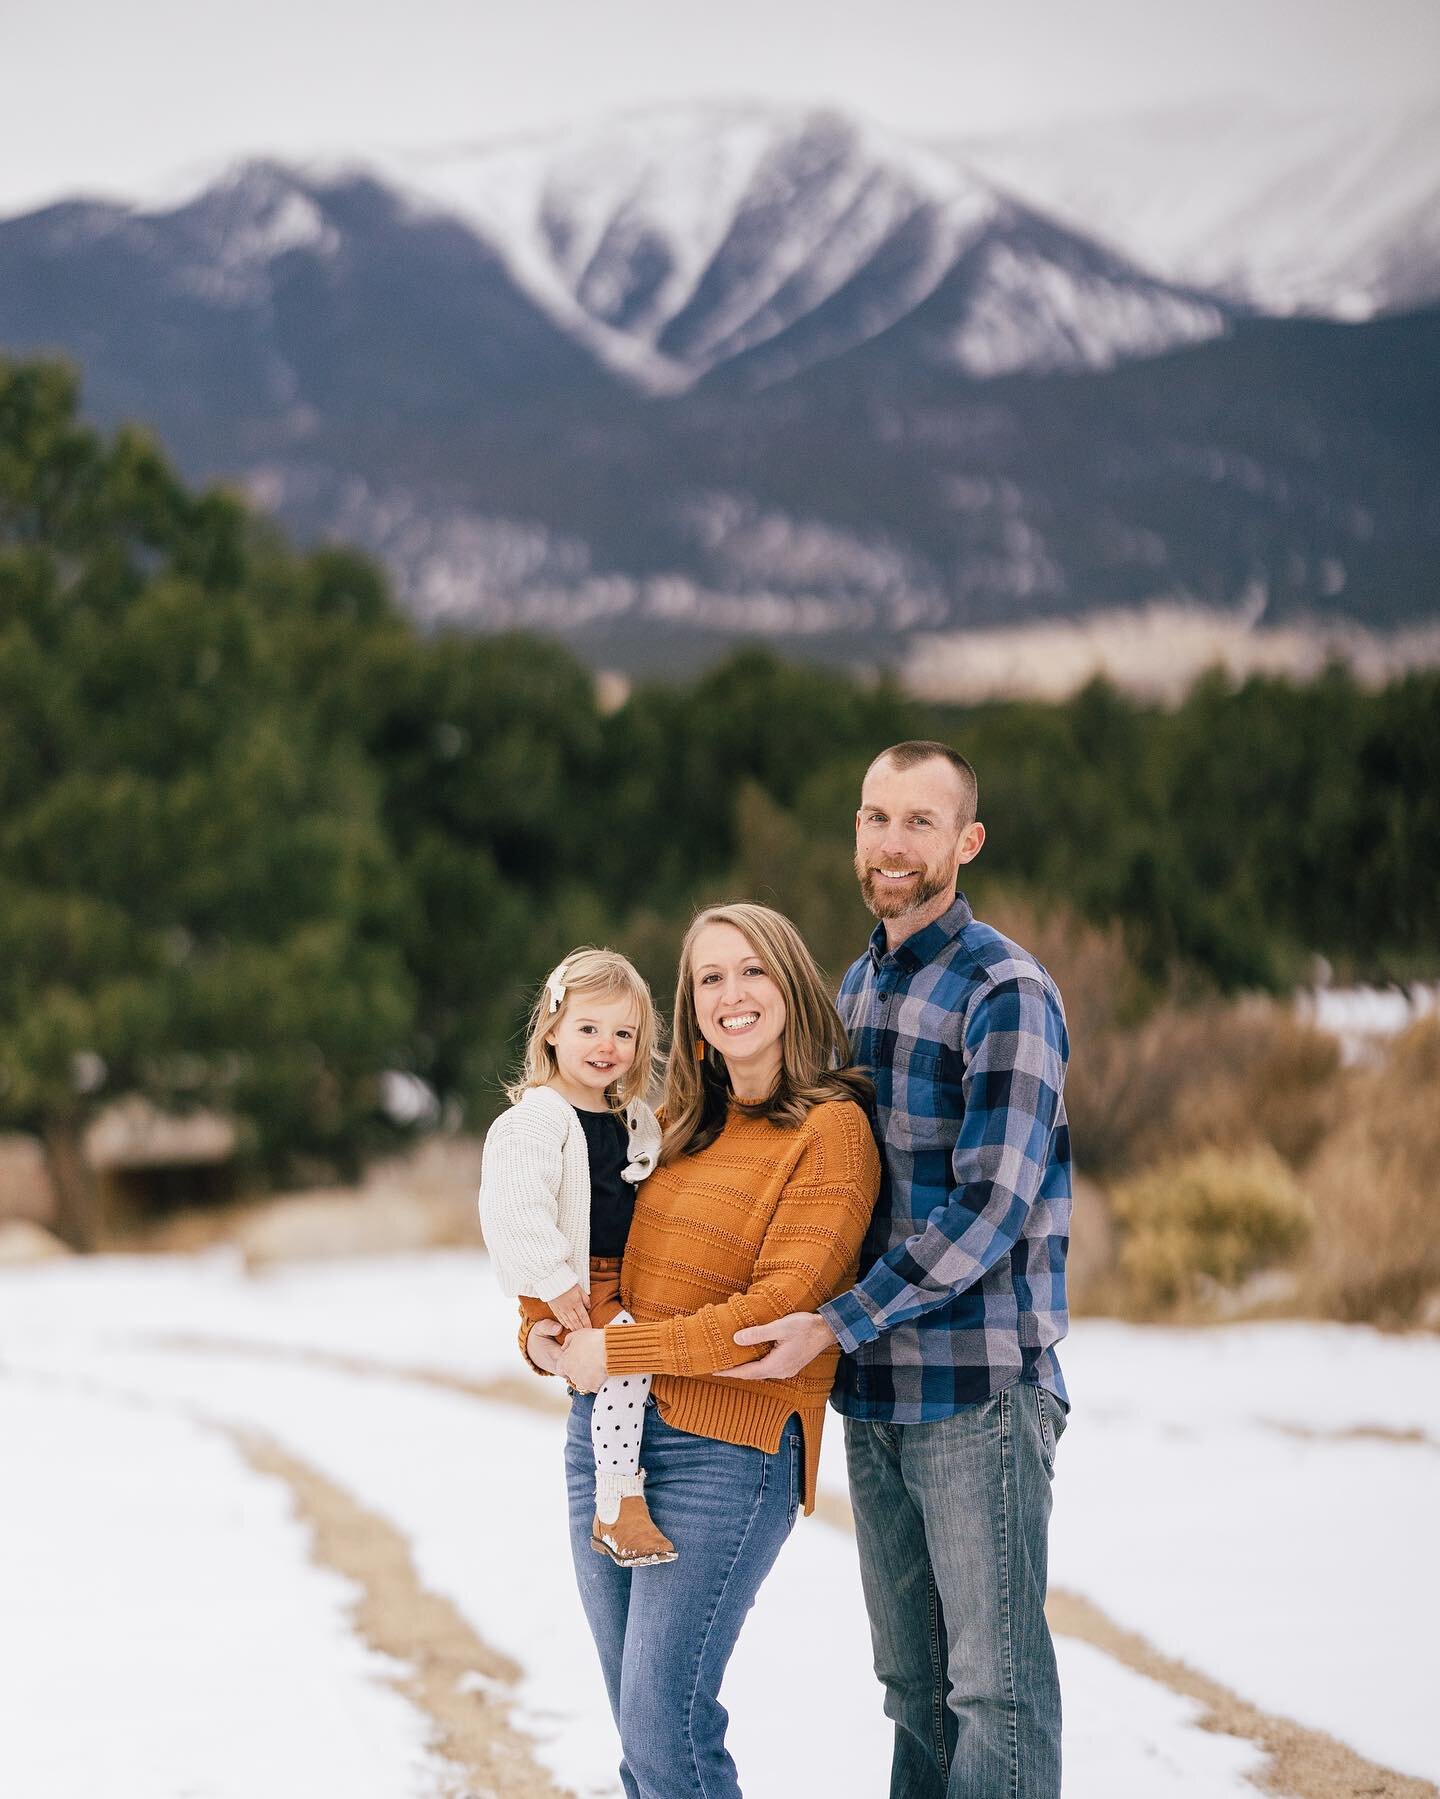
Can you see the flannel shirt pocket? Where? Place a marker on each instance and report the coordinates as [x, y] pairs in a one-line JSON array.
[[928, 1103]]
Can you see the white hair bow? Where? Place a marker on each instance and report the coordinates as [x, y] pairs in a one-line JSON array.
[[555, 987]]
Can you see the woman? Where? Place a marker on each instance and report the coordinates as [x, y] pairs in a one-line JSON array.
[[767, 1179]]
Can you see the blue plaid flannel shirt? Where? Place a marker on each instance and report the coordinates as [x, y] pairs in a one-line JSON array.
[[964, 1033]]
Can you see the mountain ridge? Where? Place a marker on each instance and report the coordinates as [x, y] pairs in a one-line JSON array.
[[798, 435]]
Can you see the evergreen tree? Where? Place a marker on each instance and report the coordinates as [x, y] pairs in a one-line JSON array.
[[198, 901]]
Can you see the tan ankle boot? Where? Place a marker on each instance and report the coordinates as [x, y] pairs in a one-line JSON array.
[[631, 1537]]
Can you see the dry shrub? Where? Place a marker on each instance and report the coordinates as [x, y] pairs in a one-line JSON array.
[[1102, 989], [1206, 1217], [1232, 1075], [1149, 1082], [1245, 1073], [1104, 997], [1376, 1189], [1090, 1264]]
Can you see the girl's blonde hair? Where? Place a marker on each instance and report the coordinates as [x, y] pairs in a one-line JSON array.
[[593, 974], [814, 1049]]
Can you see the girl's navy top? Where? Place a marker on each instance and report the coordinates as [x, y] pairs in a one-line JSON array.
[[612, 1200]]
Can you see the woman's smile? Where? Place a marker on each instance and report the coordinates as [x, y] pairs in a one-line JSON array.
[[739, 1008]]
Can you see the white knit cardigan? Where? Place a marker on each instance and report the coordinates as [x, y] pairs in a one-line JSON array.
[[535, 1191]]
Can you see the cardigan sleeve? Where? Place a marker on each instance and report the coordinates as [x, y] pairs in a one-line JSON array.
[[806, 1256], [520, 1180]]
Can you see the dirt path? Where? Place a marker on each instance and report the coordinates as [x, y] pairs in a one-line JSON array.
[[440, 1655], [1300, 1763]]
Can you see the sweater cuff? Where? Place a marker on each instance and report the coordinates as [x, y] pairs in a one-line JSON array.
[[559, 1281], [638, 1348], [526, 1326], [850, 1320]]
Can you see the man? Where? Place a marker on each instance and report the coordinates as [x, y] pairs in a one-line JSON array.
[[949, 1386]]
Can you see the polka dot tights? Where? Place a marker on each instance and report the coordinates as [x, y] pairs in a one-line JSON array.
[[619, 1418]]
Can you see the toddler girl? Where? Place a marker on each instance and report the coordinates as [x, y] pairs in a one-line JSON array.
[[557, 1191]]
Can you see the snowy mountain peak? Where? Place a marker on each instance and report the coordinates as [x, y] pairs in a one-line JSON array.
[[1335, 212], [681, 240], [236, 229], [260, 210], [678, 238], [725, 243]]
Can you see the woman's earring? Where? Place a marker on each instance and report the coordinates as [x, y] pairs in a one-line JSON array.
[[699, 1049]]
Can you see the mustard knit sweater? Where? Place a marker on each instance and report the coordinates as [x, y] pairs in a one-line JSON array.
[[765, 1221]]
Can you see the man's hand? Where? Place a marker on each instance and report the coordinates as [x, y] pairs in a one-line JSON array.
[[798, 1339], [582, 1361], [541, 1345], [572, 1308]]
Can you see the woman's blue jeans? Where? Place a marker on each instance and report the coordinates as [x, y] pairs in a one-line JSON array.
[[665, 1633], [952, 1522]]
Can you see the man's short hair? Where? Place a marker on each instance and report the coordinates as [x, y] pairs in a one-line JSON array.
[[907, 755]]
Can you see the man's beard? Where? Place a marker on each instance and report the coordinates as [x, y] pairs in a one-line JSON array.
[[888, 900]]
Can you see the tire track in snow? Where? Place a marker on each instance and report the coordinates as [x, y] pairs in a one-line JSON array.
[[448, 1673], [1301, 1763], [536, 1394], [1353, 1433], [1304, 1763], [401, 1618], [531, 1392]]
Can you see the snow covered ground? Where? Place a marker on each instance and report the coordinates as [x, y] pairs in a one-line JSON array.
[[1258, 1502]]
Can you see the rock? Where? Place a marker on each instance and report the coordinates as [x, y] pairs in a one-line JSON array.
[[21, 1240], [25, 1190], [1269, 1290], [419, 1201], [380, 1221]]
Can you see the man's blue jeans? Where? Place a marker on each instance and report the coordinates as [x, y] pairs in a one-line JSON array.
[[952, 1521], [665, 1633]]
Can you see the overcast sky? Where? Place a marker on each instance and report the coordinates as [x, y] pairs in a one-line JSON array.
[[119, 96]]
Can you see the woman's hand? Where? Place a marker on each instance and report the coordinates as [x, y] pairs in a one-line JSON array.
[[572, 1308], [541, 1345], [582, 1361]]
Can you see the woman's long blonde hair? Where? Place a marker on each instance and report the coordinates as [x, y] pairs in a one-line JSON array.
[[595, 974], [814, 1049]]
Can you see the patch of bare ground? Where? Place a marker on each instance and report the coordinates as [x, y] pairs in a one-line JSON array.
[[440, 1655]]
